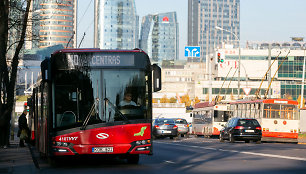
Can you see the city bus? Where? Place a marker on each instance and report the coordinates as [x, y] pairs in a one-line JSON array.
[[75, 103], [278, 118], [208, 119]]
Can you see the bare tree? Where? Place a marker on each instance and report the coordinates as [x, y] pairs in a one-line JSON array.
[[14, 16]]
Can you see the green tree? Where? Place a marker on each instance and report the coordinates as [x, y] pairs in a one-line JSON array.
[[172, 100], [186, 100], [196, 100], [164, 99]]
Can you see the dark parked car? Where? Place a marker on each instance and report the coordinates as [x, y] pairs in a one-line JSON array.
[[164, 127], [183, 127], [244, 129]]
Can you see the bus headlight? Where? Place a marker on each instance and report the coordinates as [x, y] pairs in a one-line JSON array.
[[143, 148], [142, 142]]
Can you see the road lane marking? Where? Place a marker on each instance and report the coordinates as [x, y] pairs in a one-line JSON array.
[[235, 151], [171, 162]]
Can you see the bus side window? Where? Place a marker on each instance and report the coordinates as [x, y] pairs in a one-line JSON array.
[[267, 111], [257, 110]]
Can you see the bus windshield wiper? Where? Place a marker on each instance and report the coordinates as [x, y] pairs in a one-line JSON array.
[[92, 109], [116, 109]]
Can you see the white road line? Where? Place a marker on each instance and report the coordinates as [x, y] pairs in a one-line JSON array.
[[235, 151], [171, 162]]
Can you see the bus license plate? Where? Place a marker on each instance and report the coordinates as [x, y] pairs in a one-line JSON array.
[[102, 149], [249, 130]]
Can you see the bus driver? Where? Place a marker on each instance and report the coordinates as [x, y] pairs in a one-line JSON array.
[[127, 100]]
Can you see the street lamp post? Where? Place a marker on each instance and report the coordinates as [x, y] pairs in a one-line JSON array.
[[302, 87], [222, 29]]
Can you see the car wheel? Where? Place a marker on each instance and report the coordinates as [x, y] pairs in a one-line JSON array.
[[247, 141], [182, 135], [221, 138], [171, 138], [231, 138]]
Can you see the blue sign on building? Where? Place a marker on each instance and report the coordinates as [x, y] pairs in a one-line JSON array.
[[192, 51]]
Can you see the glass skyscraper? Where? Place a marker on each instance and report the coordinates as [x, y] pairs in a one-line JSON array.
[[116, 24], [205, 15], [54, 21], [159, 36]]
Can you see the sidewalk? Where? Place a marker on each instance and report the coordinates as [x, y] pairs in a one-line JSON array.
[[16, 160]]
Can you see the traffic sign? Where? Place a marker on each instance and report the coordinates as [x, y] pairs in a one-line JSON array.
[[247, 90], [192, 51]]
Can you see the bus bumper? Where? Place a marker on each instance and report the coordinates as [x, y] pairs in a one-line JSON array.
[[101, 149]]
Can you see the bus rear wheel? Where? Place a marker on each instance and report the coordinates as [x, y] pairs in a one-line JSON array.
[[133, 159]]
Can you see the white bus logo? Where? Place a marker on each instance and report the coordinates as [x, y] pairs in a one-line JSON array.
[[102, 136]]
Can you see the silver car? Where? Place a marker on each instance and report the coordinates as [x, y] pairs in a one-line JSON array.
[[164, 127], [183, 126]]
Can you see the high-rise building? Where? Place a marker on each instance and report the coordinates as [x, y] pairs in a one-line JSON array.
[[205, 15], [159, 36], [54, 23], [116, 24]]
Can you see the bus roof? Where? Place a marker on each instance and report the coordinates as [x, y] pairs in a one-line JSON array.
[[203, 105], [267, 101], [82, 50]]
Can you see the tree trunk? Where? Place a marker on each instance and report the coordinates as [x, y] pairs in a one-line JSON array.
[[8, 78]]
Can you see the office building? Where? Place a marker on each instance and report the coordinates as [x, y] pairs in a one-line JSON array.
[[204, 16], [116, 24], [286, 70], [159, 36], [54, 22], [286, 73]]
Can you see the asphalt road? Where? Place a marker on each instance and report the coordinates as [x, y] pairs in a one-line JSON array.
[[196, 155]]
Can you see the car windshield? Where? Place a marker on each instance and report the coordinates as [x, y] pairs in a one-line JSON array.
[[180, 121], [248, 122], [164, 121]]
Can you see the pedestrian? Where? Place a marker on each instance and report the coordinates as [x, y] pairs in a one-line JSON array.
[[23, 125]]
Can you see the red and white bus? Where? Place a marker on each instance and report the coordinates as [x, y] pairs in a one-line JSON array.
[[279, 118], [208, 118], [76, 104]]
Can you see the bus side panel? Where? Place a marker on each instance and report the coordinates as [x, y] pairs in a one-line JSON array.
[[217, 126], [279, 129]]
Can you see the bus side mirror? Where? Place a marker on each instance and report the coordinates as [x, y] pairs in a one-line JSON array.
[[156, 78], [45, 69]]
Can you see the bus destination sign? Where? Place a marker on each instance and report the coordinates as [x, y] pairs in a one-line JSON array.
[[105, 59]]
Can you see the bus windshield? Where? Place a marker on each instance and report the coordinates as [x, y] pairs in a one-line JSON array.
[[102, 96]]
